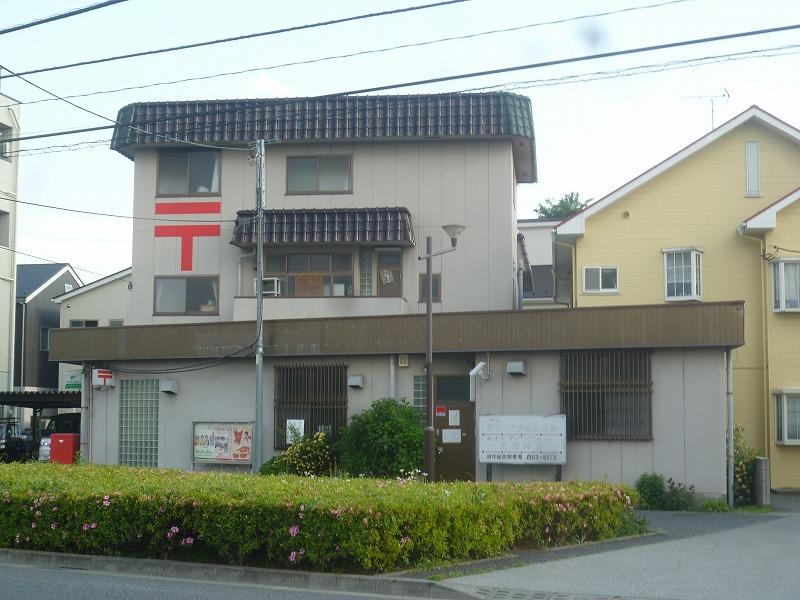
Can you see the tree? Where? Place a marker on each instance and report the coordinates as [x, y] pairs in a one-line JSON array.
[[567, 206]]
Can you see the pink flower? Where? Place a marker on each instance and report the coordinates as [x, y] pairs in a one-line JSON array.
[[174, 529], [106, 503], [105, 497], [404, 540], [85, 527], [292, 556], [33, 525], [53, 525], [188, 541], [294, 530], [93, 525]]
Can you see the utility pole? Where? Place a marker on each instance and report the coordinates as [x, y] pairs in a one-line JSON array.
[[258, 426]]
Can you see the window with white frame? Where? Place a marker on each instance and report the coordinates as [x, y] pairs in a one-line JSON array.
[[420, 392], [787, 416], [683, 273], [195, 295], [600, 280], [786, 285], [5, 229], [318, 174], [44, 339]]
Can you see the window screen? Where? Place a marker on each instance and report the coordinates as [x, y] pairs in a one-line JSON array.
[[313, 393], [607, 395], [138, 422]]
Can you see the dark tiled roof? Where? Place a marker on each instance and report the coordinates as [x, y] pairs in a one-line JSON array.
[[30, 277], [334, 119], [365, 226]]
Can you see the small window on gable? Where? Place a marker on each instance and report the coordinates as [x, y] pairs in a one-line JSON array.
[[600, 280], [68, 287], [753, 166]]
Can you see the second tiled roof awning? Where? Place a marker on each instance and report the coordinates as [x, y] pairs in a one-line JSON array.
[[390, 226]]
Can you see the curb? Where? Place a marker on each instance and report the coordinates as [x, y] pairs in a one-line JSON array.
[[308, 580]]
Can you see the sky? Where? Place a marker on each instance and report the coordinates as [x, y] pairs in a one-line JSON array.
[[593, 132]]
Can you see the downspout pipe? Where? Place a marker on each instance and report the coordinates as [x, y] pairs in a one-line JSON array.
[[392, 377], [729, 409]]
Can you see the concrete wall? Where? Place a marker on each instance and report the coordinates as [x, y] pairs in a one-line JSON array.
[[688, 412], [9, 117], [468, 182], [688, 421]]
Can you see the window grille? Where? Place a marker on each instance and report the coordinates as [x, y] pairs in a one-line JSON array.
[[607, 395], [315, 393], [138, 422]]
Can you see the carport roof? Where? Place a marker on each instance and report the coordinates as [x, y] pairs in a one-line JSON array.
[[41, 399]]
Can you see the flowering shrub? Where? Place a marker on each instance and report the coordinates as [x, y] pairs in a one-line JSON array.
[[326, 524], [309, 456], [744, 466]]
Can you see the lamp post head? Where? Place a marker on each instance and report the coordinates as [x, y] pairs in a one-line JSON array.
[[453, 230]]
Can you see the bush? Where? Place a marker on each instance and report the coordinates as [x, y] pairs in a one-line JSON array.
[[310, 456], [383, 441], [744, 465], [323, 523], [678, 496], [651, 490], [274, 466], [714, 506]]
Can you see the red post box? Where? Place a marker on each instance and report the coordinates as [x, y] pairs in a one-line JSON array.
[[64, 447]]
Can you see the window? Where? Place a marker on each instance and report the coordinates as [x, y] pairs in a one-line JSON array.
[[390, 272], [600, 280], [753, 169], [138, 422], [318, 174], [68, 287], [311, 274], [365, 272], [607, 395], [451, 388], [44, 339], [682, 274], [421, 393], [186, 296], [437, 287], [5, 229], [5, 147], [313, 393], [188, 172], [116, 322], [82, 323], [786, 286], [787, 414]]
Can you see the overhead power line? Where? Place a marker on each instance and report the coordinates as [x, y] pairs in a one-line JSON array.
[[50, 19], [446, 78], [354, 54], [248, 36], [54, 262]]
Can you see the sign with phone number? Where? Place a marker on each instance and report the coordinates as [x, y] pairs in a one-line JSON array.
[[523, 439]]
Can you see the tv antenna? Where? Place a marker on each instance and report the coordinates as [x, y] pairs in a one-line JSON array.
[[711, 99]]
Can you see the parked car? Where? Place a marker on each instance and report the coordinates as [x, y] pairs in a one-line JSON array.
[[13, 445], [61, 423]]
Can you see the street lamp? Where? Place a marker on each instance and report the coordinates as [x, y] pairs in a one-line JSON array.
[[453, 231]]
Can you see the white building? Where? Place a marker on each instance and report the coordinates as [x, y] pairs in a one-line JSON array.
[[9, 129]]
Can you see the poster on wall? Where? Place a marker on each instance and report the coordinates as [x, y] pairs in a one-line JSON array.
[[224, 443]]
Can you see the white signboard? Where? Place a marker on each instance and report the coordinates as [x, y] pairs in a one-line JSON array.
[[103, 377], [72, 380], [523, 439]]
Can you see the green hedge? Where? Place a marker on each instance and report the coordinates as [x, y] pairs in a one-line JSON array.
[[285, 521]]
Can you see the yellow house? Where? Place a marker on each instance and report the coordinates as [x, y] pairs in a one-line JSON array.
[[715, 221]]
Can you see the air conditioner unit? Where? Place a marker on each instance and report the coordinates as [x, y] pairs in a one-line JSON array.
[[270, 286]]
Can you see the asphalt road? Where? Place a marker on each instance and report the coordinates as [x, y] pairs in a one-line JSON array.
[[22, 582], [727, 556]]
